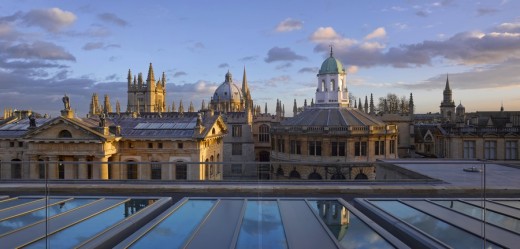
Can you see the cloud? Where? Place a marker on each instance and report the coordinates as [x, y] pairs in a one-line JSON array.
[[112, 18], [352, 69], [179, 74], [486, 11], [468, 48], [223, 65], [99, 45], [377, 33], [196, 46], [274, 81], [52, 20], [422, 13], [36, 50], [509, 27], [249, 58], [282, 54], [288, 25], [284, 66], [112, 77], [328, 36], [309, 70]]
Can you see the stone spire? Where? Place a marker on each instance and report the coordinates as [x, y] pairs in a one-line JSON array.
[[191, 108], [203, 105], [140, 80], [150, 80], [355, 104], [174, 109], [129, 78], [360, 106], [366, 104], [106, 105], [295, 109], [411, 105], [265, 109], [372, 107], [181, 107], [163, 81], [94, 105], [118, 107], [305, 103]]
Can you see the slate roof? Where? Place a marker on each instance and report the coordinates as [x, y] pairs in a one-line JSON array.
[[332, 117], [19, 128]]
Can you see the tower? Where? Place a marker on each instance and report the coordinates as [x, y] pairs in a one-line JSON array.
[[149, 96], [447, 105], [332, 89]]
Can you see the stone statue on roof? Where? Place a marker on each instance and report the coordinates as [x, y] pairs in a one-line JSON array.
[[66, 102]]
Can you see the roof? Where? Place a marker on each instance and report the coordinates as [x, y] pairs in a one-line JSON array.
[[338, 117], [227, 91], [331, 66], [19, 128]]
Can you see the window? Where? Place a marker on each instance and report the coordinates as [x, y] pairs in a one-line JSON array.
[[360, 148], [236, 169], [392, 146], [281, 145], [160, 145], [64, 134], [41, 169], [511, 150], [379, 148], [156, 170], [61, 170], [131, 170], [130, 145], [337, 149], [11, 144], [296, 147], [236, 149], [314, 148], [180, 145], [150, 145], [20, 144], [263, 133], [16, 169], [236, 131], [469, 149], [490, 150], [181, 171]]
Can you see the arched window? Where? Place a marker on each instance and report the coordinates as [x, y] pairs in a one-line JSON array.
[[181, 170], [314, 176], [323, 86], [16, 169], [294, 174], [361, 176], [213, 131], [64, 134], [263, 133], [332, 85]]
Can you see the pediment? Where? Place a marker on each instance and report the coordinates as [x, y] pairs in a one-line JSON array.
[[63, 129]]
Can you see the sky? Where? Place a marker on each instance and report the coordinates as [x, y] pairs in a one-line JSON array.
[[52, 48]]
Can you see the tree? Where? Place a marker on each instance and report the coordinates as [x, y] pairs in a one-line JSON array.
[[393, 104]]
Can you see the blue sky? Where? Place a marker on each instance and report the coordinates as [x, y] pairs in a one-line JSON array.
[[49, 48]]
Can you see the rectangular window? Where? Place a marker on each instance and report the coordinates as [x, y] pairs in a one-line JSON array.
[[360, 148], [150, 145], [337, 149], [511, 150], [392, 146], [296, 147], [180, 145], [236, 131], [236, 169], [490, 150], [156, 171], [469, 149], [379, 148], [281, 145], [20, 144], [160, 145], [236, 149], [314, 148], [263, 133]]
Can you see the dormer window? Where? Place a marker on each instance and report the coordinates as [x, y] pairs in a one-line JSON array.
[[64, 134]]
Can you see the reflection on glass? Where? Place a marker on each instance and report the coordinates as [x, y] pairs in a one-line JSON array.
[[84, 230], [14, 202], [514, 204], [448, 234], [350, 231], [491, 217], [173, 231], [38, 215], [262, 226]]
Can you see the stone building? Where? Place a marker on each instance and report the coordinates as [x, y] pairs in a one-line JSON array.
[[146, 96], [150, 146], [330, 131]]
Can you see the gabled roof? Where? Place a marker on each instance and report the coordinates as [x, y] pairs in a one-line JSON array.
[[76, 123]]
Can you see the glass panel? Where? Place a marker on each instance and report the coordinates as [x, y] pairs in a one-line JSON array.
[[262, 226], [80, 232], [38, 215], [448, 234], [15, 202], [476, 212], [514, 204], [346, 227], [173, 231]]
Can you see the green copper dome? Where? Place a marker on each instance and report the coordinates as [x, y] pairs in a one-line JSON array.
[[331, 66]]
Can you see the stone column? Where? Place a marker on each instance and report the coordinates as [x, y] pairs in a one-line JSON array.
[[115, 168], [34, 169], [5, 168], [101, 168], [82, 168], [52, 167], [69, 167]]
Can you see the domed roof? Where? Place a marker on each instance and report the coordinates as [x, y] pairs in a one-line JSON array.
[[228, 91], [460, 107], [331, 66]]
